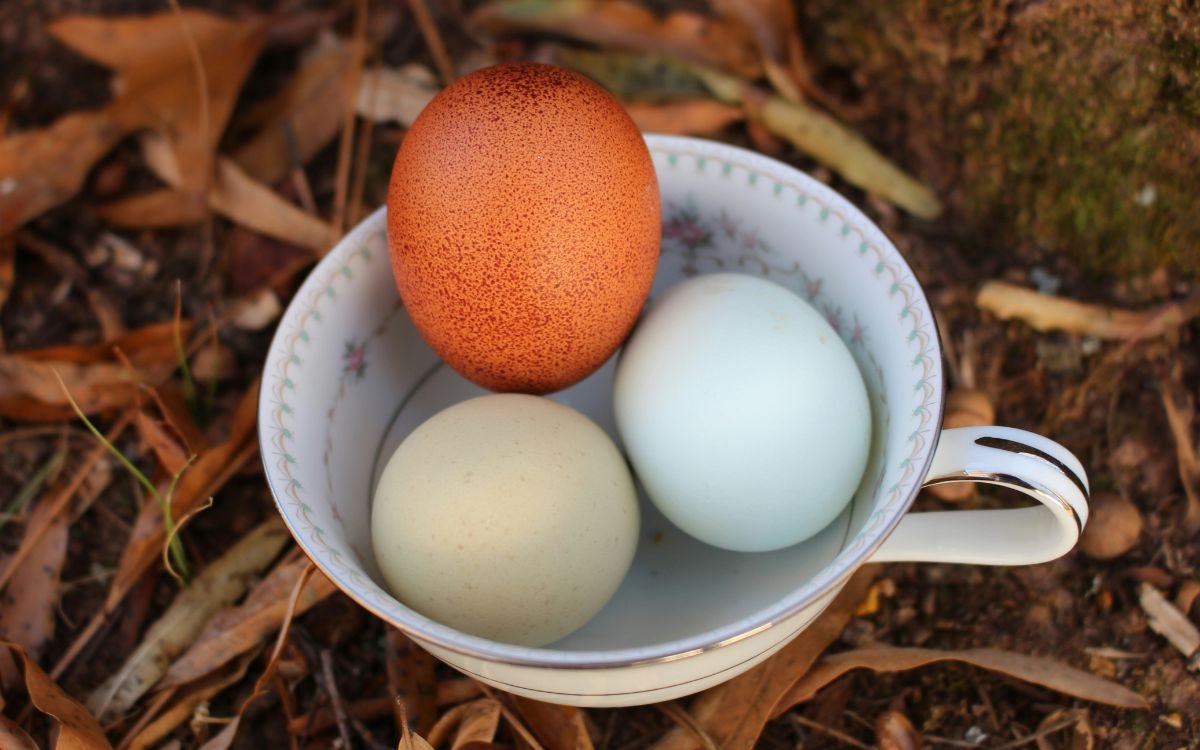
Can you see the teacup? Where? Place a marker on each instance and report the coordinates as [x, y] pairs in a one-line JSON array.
[[348, 377]]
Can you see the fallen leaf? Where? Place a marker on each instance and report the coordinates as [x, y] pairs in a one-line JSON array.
[[41, 168], [162, 441], [556, 726], [182, 707], [1034, 669], [395, 94], [1113, 528], [297, 122], [13, 737], [414, 672], [219, 584], [239, 629], [773, 24], [201, 481], [31, 597], [93, 374], [734, 713], [77, 729], [165, 207], [1168, 621], [690, 117], [479, 724], [631, 77], [893, 731], [242, 199], [628, 25], [1044, 312], [1187, 595]]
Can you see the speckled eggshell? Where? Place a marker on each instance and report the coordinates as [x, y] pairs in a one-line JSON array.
[[507, 516], [524, 226]]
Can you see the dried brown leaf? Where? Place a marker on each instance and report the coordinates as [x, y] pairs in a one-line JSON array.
[[1034, 669], [395, 94], [77, 729], [182, 707], [239, 629], [689, 117], [218, 585], [165, 207], [201, 481], [13, 737], [242, 199], [413, 669], [298, 121], [556, 726], [162, 442], [1044, 312], [42, 168], [773, 23], [479, 724], [734, 713], [623, 24]]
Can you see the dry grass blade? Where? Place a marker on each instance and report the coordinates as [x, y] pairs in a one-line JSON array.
[[239, 629], [773, 23], [676, 713], [1044, 312], [346, 141], [631, 77], [162, 442], [433, 40], [1180, 407], [395, 94], [1168, 621], [556, 726], [734, 714], [622, 24], [689, 117], [298, 122], [219, 584], [77, 729], [1037, 670]]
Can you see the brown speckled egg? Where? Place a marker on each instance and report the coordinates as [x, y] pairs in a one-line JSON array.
[[524, 226]]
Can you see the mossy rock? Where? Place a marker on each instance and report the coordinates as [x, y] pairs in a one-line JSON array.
[[1072, 127]]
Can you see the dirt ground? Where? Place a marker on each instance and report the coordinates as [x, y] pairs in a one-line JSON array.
[[1102, 399]]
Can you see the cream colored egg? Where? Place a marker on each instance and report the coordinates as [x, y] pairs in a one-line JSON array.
[[508, 516]]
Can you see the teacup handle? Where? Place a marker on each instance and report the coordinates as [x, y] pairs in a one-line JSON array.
[[1020, 460]]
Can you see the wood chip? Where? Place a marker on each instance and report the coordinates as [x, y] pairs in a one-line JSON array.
[[1168, 621], [1044, 312]]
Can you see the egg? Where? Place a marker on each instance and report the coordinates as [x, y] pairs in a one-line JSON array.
[[743, 413], [524, 226], [506, 516]]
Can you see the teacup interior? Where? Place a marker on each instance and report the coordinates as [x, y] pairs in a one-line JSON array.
[[365, 380]]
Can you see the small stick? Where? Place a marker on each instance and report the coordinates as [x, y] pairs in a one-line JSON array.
[[1044, 312], [433, 39], [339, 711], [817, 726], [345, 144], [362, 153]]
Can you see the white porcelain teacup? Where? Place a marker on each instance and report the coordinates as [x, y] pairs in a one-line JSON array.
[[348, 377]]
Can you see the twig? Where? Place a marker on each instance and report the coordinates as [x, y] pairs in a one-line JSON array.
[[335, 698], [1040, 733], [817, 726], [1179, 419], [433, 39], [1044, 312], [392, 670], [674, 712], [345, 143], [366, 128]]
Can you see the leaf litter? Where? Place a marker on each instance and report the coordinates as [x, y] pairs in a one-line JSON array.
[[690, 70]]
